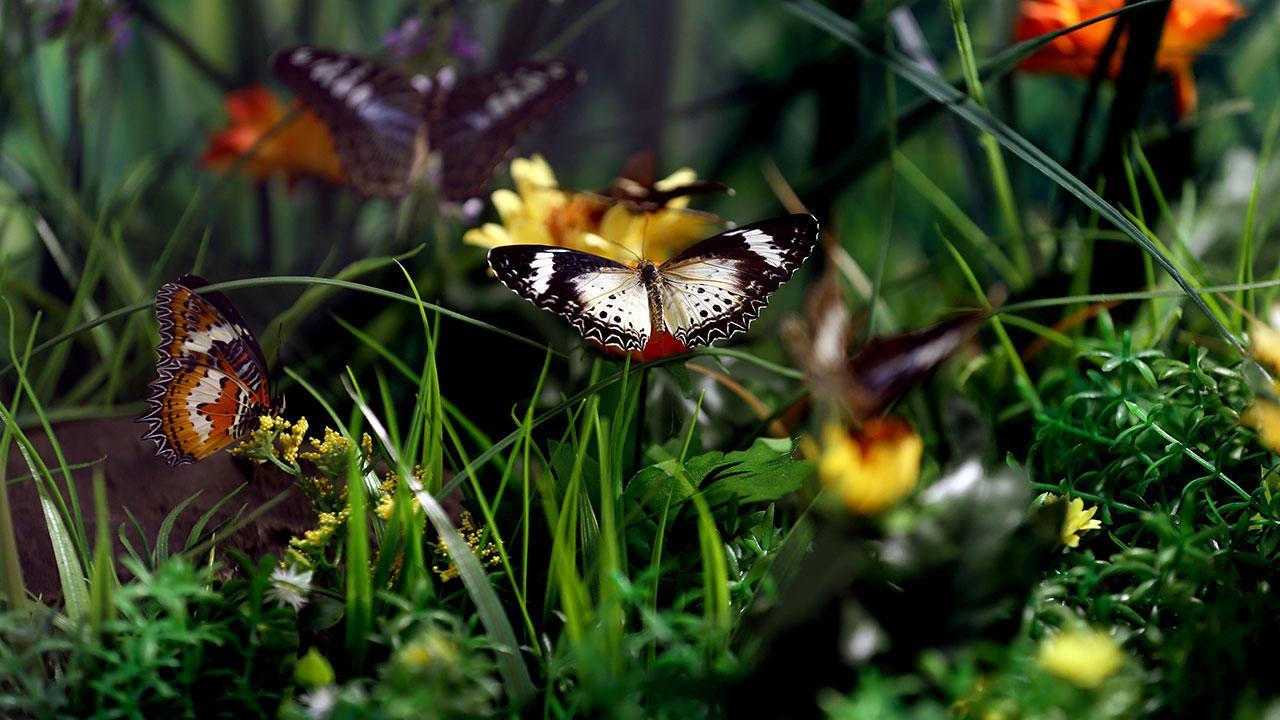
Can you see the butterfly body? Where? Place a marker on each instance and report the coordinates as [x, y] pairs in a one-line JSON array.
[[211, 381], [391, 130], [708, 292]]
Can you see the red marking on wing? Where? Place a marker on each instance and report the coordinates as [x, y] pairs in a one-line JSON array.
[[662, 344]]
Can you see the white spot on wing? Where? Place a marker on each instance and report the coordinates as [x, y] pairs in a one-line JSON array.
[[202, 341], [541, 268]]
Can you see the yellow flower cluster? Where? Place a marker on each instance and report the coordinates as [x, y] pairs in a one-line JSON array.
[[539, 212], [334, 442], [1077, 521], [1082, 657], [488, 555], [261, 443], [871, 470], [331, 455], [316, 539], [387, 501]]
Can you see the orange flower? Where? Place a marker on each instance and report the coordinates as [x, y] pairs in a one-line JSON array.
[[303, 147], [1190, 27]]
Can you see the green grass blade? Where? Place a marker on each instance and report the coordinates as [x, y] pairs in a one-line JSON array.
[[964, 107], [359, 583], [489, 608]]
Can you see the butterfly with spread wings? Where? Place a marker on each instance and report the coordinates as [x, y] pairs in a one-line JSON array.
[[211, 381], [706, 293], [386, 127]]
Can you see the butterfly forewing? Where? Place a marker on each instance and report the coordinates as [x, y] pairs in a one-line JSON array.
[[211, 379], [605, 300], [717, 287], [374, 114], [475, 123]]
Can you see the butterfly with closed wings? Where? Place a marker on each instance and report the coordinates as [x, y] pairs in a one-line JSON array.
[[708, 292], [386, 127], [211, 381]]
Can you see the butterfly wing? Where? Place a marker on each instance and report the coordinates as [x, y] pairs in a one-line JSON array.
[[717, 287], [374, 114], [605, 300], [211, 379], [475, 123]]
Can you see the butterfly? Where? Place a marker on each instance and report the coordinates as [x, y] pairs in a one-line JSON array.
[[211, 381], [866, 381], [708, 292], [638, 188], [386, 126]]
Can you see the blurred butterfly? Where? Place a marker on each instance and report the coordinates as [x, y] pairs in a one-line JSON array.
[[866, 382], [211, 380], [386, 127], [638, 188], [708, 292]]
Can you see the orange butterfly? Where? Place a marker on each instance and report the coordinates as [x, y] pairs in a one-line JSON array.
[[211, 381]]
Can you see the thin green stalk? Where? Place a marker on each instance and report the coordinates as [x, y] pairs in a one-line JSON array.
[[995, 159], [975, 236], [1026, 388], [1244, 275]]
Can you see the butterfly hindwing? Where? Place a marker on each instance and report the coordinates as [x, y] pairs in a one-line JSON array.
[[374, 114], [717, 287], [605, 300], [475, 123], [211, 379]]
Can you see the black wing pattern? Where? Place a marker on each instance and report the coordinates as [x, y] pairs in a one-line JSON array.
[[374, 114], [717, 287], [605, 300], [475, 124]]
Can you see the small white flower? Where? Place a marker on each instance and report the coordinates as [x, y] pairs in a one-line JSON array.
[[290, 586], [319, 703]]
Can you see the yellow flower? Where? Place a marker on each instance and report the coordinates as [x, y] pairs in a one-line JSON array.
[[1264, 415], [432, 648], [261, 443], [871, 470], [386, 505], [291, 440], [1077, 522], [538, 212], [488, 555], [1082, 657], [314, 540]]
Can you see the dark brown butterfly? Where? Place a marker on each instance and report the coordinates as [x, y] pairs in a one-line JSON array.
[[637, 186], [866, 382], [387, 127]]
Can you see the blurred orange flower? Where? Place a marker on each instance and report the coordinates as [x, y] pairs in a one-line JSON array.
[[303, 147], [1190, 27]]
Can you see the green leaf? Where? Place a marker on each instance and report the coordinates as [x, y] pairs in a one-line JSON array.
[[762, 473], [313, 670]]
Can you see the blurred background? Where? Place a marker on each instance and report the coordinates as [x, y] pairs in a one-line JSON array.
[[108, 108]]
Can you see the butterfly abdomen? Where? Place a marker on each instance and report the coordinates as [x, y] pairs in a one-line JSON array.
[[652, 280]]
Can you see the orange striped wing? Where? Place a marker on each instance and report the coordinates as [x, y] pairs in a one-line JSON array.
[[211, 379]]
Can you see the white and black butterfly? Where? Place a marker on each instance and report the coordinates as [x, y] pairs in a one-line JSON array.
[[386, 126], [706, 293]]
